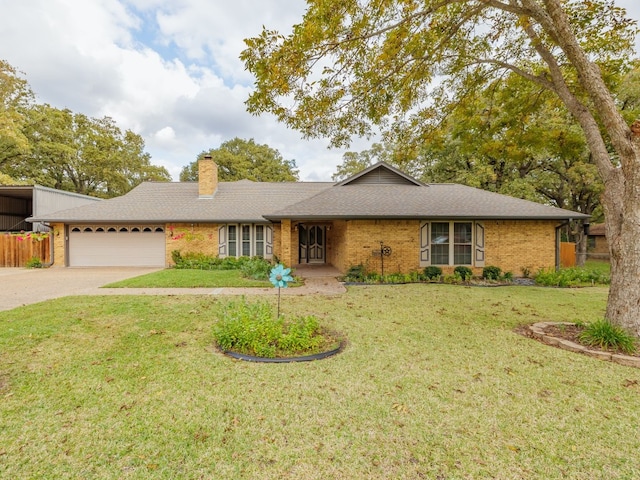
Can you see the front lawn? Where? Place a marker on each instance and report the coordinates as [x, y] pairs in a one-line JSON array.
[[434, 383], [184, 278]]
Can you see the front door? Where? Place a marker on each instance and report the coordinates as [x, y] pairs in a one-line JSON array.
[[311, 243]]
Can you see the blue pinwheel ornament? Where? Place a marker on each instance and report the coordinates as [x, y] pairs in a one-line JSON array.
[[280, 276]]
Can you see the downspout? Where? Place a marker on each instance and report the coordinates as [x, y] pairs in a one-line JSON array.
[[558, 234]]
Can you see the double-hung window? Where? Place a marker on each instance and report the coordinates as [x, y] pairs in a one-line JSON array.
[[235, 240], [451, 243]]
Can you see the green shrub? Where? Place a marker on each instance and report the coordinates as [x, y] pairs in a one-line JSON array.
[[253, 266], [253, 329], [604, 334], [257, 268], [303, 334], [465, 273], [372, 277], [356, 273], [432, 272], [195, 261], [34, 262], [508, 276], [452, 279], [491, 272], [415, 276], [568, 277], [394, 278]]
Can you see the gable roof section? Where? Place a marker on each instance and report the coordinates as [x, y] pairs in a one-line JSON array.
[[445, 201], [379, 192], [242, 201], [380, 173]]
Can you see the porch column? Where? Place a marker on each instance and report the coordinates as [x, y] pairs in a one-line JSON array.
[[285, 243]]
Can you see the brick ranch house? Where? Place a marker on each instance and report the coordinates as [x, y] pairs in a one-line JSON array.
[[342, 224]]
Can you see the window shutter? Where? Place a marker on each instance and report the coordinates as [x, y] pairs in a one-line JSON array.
[[479, 245], [222, 241], [268, 241], [425, 247]]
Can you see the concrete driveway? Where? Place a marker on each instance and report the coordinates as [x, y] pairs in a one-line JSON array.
[[22, 286]]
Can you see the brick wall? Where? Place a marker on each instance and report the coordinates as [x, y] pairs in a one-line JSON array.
[[277, 235], [516, 244], [336, 245], [511, 245], [207, 177], [361, 238], [59, 257], [193, 238], [287, 247]]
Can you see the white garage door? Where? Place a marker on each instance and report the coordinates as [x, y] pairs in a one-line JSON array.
[[116, 246]]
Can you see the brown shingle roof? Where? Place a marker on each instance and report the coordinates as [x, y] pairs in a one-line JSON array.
[[242, 201], [246, 201], [408, 201]]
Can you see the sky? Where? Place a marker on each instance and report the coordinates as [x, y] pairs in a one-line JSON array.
[[167, 70]]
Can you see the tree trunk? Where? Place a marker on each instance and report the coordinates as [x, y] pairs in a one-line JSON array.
[[621, 201]]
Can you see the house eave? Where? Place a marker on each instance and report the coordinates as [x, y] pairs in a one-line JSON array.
[[103, 221], [279, 218]]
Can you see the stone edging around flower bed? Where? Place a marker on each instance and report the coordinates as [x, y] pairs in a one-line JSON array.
[[306, 358], [537, 330]]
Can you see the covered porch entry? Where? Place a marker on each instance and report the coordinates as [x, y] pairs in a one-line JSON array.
[[312, 242]]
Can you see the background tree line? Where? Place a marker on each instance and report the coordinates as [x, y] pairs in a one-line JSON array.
[[65, 150], [70, 151]]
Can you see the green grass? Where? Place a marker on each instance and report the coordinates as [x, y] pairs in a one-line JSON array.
[[182, 278], [433, 383], [600, 266]]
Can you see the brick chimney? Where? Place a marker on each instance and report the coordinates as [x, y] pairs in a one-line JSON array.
[[207, 177]]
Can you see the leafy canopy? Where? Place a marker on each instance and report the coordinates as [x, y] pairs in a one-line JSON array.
[[73, 152], [15, 98], [65, 150], [351, 66], [239, 159]]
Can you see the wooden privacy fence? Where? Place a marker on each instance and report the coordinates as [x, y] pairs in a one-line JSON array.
[[17, 250], [567, 254]]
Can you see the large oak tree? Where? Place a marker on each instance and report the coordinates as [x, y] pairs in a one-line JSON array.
[[353, 66], [15, 99], [74, 152], [239, 159]]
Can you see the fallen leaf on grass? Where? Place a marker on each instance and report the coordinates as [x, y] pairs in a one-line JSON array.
[[400, 407]]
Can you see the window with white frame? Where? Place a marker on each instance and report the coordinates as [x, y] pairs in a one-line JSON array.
[[451, 243], [235, 240]]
